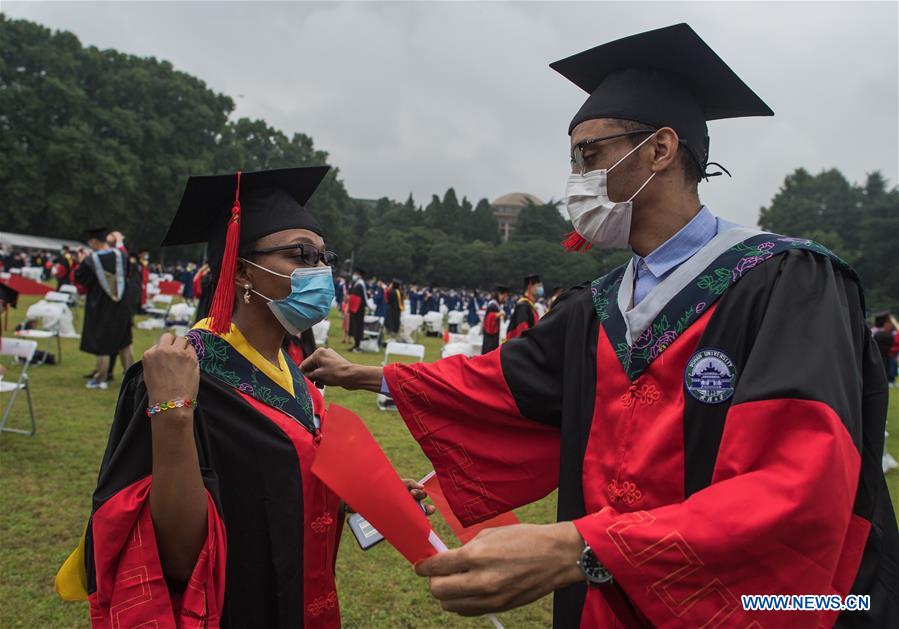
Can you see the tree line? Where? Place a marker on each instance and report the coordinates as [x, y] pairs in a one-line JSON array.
[[93, 137]]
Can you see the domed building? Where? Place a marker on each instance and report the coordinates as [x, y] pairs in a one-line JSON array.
[[506, 209]]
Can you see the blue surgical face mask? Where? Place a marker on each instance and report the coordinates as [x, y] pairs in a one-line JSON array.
[[538, 291], [309, 301]]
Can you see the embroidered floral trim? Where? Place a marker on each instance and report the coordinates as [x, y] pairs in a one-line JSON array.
[[322, 523], [692, 301], [217, 358], [646, 394], [626, 492], [322, 604]]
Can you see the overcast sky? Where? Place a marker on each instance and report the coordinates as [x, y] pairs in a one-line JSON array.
[[417, 97]]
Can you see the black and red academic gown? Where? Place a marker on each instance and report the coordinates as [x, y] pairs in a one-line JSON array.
[[492, 321], [723, 441], [273, 527], [524, 317], [358, 299]]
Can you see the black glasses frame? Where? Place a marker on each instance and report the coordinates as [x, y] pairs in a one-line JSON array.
[[577, 153], [309, 254]]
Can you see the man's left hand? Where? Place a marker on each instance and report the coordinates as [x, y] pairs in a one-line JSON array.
[[505, 567]]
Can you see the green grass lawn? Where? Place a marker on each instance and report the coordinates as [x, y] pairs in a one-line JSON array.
[[46, 482]]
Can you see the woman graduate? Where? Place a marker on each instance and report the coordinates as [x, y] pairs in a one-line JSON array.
[[206, 512]]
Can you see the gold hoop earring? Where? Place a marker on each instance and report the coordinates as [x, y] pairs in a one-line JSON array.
[[246, 294]]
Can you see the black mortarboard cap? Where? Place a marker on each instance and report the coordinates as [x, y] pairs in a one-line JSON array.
[[9, 295], [501, 288], [95, 233], [667, 77], [531, 279], [231, 212], [270, 201]]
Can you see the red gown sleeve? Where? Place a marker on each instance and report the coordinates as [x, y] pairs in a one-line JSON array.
[[778, 515], [489, 455], [130, 588]]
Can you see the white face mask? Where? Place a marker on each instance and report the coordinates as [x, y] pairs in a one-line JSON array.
[[598, 219]]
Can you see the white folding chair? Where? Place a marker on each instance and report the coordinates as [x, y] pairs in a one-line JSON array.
[[454, 320], [34, 273], [320, 331], [180, 314], [70, 290], [476, 339], [161, 313], [394, 348], [454, 349], [50, 314], [434, 324], [23, 350], [410, 324], [60, 297], [178, 318]]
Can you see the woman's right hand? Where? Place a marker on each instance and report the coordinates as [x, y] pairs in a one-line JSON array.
[[171, 370]]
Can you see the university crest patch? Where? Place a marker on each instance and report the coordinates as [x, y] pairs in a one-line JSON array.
[[710, 376]]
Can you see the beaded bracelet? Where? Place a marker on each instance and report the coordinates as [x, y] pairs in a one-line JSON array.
[[167, 406]]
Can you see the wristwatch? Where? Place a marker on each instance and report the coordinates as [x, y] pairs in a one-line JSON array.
[[594, 571]]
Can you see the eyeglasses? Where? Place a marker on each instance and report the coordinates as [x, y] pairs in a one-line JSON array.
[[577, 153], [309, 255]]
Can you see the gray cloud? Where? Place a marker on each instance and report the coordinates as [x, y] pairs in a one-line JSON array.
[[417, 97]]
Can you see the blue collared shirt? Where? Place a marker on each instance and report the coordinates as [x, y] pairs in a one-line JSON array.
[[651, 270]]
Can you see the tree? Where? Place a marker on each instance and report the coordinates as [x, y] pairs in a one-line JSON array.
[[880, 235], [483, 225], [387, 257], [91, 138], [542, 222], [858, 223], [825, 202]]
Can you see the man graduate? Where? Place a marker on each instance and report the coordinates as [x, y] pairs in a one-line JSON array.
[[524, 317], [493, 318], [359, 299], [103, 273], [701, 450]]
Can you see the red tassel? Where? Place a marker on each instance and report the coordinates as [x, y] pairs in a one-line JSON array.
[[223, 300], [575, 242]]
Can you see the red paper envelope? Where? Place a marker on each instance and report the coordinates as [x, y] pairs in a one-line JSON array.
[[352, 464], [464, 533]]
